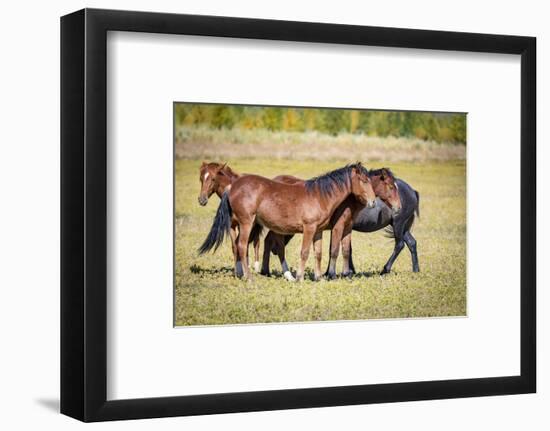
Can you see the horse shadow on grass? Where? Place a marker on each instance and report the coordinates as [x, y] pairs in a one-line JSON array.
[[224, 270], [364, 274], [308, 274]]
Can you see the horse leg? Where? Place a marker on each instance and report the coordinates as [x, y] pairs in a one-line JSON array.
[[347, 268], [399, 244], [318, 249], [257, 254], [309, 232], [411, 244], [351, 265], [334, 249], [280, 250], [284, 265], [236, 260], [242, 247], [268, 245]]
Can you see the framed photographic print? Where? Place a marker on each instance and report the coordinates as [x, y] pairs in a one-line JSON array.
[[262, 215]]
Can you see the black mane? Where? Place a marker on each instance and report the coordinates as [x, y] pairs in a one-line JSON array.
[[338, 178], [375, 172]]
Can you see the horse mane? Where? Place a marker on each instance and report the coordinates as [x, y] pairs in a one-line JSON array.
[[338, 178], [227, 171], [377, 172]]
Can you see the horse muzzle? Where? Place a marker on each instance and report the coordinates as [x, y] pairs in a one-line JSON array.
[[395, 210], [203, 200], [371, 203]]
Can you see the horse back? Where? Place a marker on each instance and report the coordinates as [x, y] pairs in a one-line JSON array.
[[258, 188], [288, 179]]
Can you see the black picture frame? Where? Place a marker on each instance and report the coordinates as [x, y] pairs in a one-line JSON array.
[[84, 214]]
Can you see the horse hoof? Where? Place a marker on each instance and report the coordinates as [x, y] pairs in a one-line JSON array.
[[239, 272], [288, 275], [265, 273], [348, 274], [330, 275], [257, 266], [384, 272]]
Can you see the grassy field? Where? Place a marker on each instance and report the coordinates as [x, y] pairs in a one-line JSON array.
[[207, 293]]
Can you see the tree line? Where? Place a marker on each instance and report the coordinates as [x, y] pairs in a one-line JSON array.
[[438, 127]]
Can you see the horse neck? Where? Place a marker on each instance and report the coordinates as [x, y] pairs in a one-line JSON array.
[[339, 195]]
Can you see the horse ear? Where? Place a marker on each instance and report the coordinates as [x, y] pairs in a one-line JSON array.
[[220, 167], [203, 164]]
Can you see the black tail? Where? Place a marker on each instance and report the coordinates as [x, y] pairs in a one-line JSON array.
[[220, 226], [417, 209], [255, 233]]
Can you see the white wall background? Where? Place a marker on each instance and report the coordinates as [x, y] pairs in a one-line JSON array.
[[29, 220]]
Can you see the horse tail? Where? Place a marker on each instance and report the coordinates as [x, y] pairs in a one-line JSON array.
[[255, 233], [417, 208], [220, 226]]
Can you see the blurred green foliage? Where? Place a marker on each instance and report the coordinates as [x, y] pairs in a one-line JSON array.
[[437, 127]]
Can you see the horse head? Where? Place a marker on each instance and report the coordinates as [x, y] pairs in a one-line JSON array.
[[385, 187], [209, 180], [361, 185]]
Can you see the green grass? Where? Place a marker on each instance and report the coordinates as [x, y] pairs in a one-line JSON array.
[[207, 293]]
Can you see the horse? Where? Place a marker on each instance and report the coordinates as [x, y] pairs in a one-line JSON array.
[[215, 178], [397, 226], [386, 191], [284, 208]]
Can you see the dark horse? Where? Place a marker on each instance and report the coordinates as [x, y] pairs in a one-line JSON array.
[[215, 178], [304, 207], [379, 217], [386, 191]]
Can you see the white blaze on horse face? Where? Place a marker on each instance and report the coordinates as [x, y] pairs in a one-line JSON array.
[[206, 176]]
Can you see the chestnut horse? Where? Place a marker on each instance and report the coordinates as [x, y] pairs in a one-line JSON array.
[[284, 208], [215, 178], [385, 189]]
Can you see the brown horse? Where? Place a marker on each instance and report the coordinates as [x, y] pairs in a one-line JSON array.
[[215, 178], [385, 188], [304, 208]]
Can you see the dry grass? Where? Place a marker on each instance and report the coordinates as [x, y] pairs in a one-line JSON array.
[[204, 143]]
